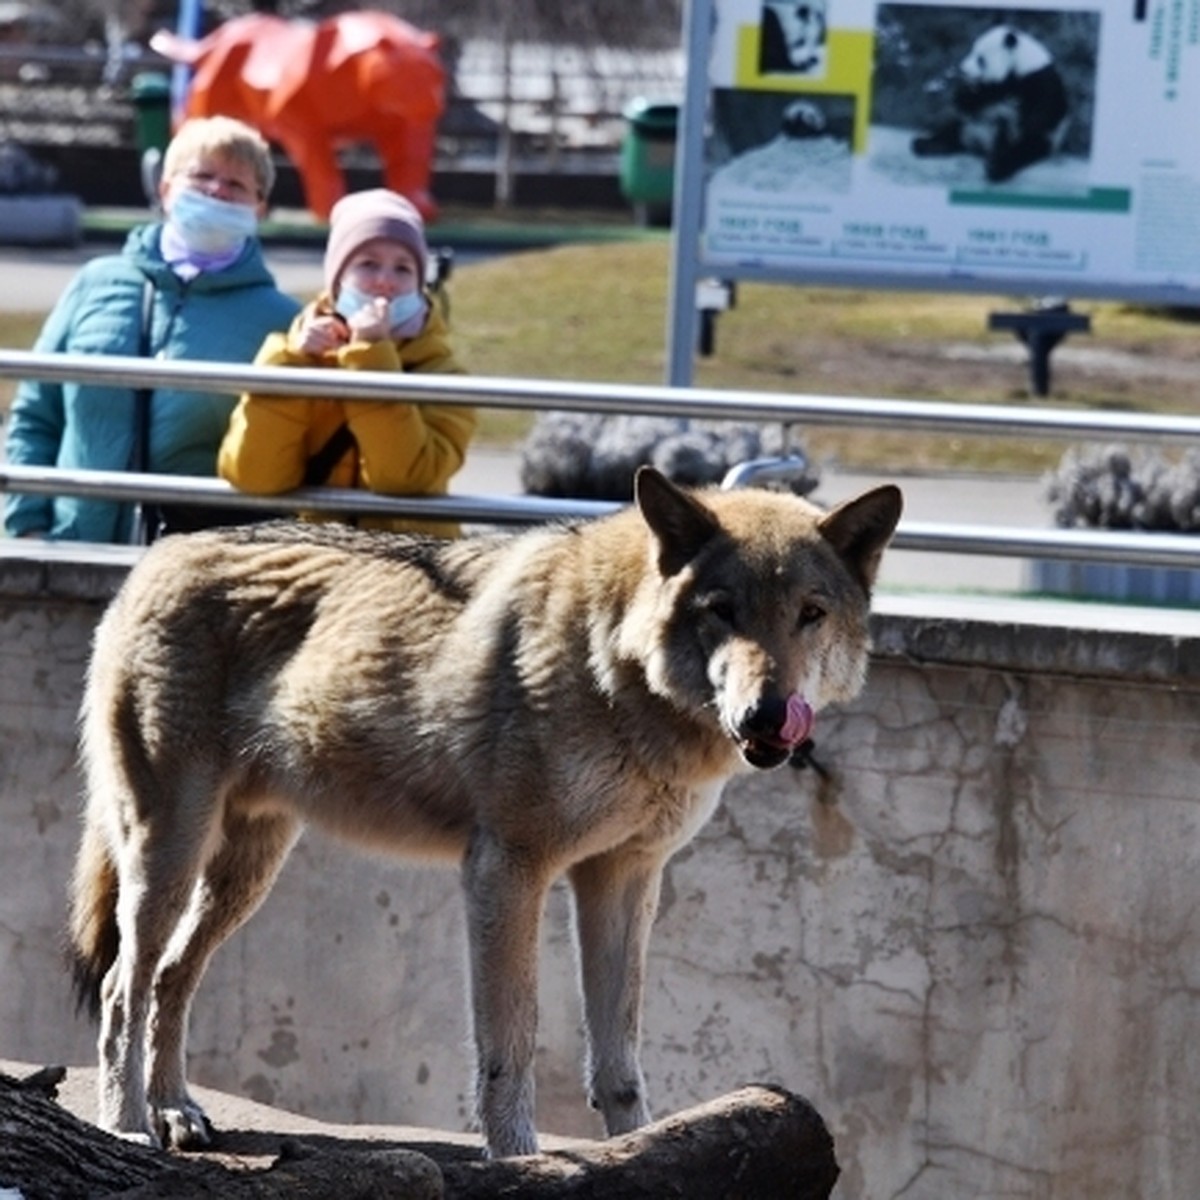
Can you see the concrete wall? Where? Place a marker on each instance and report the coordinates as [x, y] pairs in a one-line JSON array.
[[974, 948]]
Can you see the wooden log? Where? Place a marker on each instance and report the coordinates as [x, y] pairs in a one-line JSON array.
[[47, 1153], [758, 1143], [304, 1173]]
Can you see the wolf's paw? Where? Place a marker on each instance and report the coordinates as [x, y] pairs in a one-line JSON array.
[[138, 1137], [512, 1143], [184, 1126], [624, 1108]]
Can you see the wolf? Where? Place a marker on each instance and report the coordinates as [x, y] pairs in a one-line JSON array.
[[565, 700]]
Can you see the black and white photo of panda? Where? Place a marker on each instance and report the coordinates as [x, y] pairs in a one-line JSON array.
[[792, 37], [803, 119], [1008, 105], [777, 146]]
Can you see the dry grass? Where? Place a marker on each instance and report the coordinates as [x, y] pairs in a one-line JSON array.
[[17, 332], [598, 313]]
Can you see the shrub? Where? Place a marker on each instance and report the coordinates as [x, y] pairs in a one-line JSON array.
[[590, 456], [1113, 487]]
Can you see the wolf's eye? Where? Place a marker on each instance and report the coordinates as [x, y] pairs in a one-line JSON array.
[[810, 614], [718, 607]]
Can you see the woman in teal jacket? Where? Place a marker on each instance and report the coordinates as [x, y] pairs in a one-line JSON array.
[[213, 298]]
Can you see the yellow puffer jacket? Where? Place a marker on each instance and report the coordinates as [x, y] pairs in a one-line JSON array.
[[401, 449]]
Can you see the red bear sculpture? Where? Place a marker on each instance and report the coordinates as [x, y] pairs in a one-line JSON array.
[[310, 86]]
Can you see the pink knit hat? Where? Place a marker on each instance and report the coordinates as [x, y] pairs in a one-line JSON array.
[[363, 216]]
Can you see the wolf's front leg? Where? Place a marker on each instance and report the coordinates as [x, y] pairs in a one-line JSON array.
[[504, 896], [616, 897]]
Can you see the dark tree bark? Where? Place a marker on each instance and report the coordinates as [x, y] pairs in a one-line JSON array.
[[49, 1154], [758, 1142]]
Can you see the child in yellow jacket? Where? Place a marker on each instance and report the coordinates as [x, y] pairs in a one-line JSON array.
[[373, 314]]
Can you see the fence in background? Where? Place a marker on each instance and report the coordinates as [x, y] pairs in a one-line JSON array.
[[1091, 546], [561, 104]]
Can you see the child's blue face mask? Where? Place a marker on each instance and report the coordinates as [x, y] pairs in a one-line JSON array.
[[400, 308], [210, 226]]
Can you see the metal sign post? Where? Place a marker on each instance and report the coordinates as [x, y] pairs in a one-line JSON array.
[[683, 322]]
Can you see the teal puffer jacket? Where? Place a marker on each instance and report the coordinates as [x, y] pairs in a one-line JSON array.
[[222, 316]]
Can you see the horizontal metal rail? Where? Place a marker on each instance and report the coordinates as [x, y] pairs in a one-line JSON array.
[[1076, 545], [608, 398], [193, 489], [1131, 548]]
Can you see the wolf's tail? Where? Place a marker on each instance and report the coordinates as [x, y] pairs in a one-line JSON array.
[[92, 934]]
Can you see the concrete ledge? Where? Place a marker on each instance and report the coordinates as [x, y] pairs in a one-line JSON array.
[[63, 570], [1061, 637]]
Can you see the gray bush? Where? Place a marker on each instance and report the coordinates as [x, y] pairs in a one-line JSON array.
[[594, 457], [1113, 487]]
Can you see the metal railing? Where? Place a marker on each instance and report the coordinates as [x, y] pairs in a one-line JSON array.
[[1132, 548]]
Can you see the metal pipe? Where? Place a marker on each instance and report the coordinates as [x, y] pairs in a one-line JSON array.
[[607, 398], [790, 469], [1131, 548], [189, 489], [1127, 547]]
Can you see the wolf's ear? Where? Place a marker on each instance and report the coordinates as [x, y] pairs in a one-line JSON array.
[[859, 530], [680, 525]]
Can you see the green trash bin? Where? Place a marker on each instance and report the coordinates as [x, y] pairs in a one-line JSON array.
[[150, 92], [647, 166]]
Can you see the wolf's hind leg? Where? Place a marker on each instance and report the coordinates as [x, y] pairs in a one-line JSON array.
[[616, 898], [504, 897], [157, 867], [234, 883]]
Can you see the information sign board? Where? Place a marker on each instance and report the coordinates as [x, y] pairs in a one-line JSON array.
[[1041, 150]]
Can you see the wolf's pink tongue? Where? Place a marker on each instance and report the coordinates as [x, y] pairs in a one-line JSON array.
[[800, 720]]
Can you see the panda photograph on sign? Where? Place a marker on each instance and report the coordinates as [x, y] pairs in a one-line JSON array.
[[792, 38], [778, 145], [991, 97]]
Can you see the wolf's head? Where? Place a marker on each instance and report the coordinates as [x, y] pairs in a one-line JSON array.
[[755, 610]]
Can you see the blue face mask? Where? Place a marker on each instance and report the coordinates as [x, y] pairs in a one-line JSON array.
[[209, 226], [400, 308]]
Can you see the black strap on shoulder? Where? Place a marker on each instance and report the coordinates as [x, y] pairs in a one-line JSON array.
[[321, 465], [143, 522], [139, 457]]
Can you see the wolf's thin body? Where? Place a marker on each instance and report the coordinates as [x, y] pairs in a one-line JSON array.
[[565, 700]]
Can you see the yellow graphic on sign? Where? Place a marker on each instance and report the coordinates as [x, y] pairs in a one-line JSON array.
[[849, 54]]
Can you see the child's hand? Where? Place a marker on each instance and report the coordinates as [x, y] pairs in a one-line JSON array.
[[372, 322], [319, 333]]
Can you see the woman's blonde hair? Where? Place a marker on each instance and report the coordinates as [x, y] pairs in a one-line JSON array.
[[224, 136]]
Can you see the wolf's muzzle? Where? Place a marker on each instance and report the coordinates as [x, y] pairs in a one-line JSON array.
[[770, 730]]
